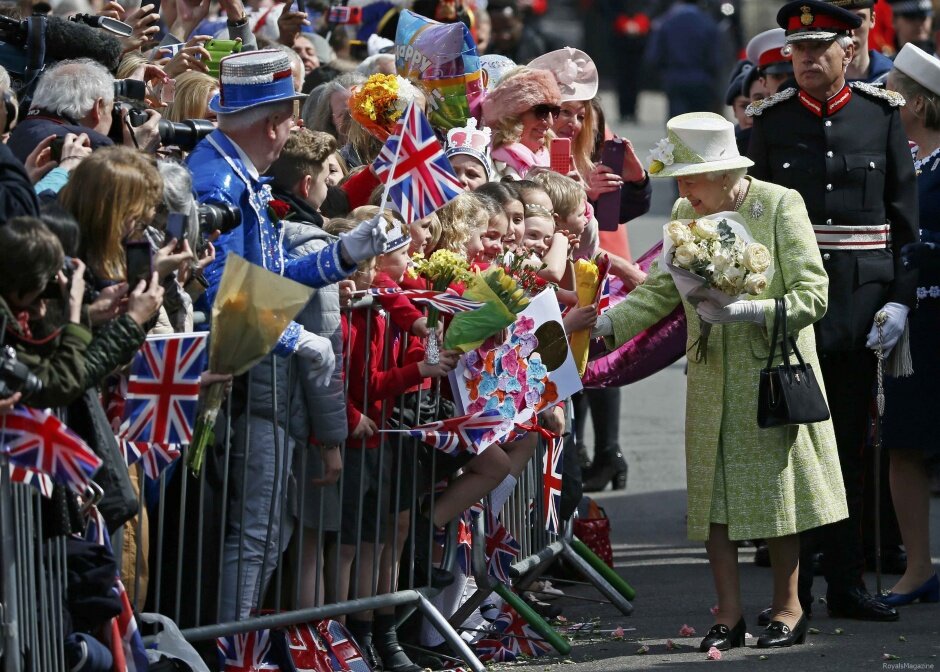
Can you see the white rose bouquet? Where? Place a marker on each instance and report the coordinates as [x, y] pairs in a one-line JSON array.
[[714, 258]]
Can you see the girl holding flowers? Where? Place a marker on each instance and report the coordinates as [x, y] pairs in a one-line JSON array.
[[744, 482]]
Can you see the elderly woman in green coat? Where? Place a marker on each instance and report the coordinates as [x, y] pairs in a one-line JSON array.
[[744, 482]]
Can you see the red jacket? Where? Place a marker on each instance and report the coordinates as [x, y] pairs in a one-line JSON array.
[[400, 308], [380, 382]]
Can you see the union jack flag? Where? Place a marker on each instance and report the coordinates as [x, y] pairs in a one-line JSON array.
[[345, 653], [603, 299], [34, 478], [445, 302], [517, 636], [492, 650], [158, 457], [474, 433], [163, 389], [501, 549], [551, 483], [38, 441], [153, 457], [126, 644], [465, 541], [417, 174], [246, 652]]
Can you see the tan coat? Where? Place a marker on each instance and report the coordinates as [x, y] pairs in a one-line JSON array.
[[760, 482]]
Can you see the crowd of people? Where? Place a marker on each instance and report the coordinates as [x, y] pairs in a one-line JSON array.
[[258, 129]]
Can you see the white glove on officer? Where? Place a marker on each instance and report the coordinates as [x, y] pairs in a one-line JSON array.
[[891, 330], [739, 311], [365, 241], [319, 351], [603, 327]]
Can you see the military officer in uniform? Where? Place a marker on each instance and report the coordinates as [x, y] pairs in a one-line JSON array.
[[843, 148]]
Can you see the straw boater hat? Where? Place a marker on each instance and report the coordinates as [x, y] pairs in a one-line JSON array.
[[696, 143], [919, 66], [252, 78]]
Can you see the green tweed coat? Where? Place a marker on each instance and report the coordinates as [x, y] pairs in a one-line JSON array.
[[759, 482]]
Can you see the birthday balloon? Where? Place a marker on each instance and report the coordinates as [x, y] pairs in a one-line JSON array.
[[443, 59]]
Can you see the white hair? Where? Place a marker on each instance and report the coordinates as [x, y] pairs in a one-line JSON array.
[[372, 65], [178, 195], [733, 175], [71, 88], [4, 79], [240, 121], [844, 41]]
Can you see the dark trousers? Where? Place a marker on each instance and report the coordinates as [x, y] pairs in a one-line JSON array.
[[604, 404], [849, 378]]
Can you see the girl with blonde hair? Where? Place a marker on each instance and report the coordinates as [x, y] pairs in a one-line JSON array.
[[194, 90]]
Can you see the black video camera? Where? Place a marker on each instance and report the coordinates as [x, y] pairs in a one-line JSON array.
[[184, 134], [221, 217], [16, 376]]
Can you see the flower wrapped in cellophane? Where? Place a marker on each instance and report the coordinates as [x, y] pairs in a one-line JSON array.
[[251, 310], [715, 259], [441, 270], [502, 297], [589, 274], [380, 102]]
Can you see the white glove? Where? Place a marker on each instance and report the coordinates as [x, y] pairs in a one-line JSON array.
[[739, 311], [365, 241], [319, 351], [603, 327], [891, 330]]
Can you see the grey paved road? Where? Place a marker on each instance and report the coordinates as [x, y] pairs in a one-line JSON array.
[[670, 574]]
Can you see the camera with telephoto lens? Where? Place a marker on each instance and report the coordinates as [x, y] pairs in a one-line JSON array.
[[221, 217], [16, 376], [184, 134]]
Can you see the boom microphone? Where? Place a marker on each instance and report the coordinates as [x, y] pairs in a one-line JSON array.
[[66, 39]]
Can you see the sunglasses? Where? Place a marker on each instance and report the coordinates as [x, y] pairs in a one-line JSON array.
[[542, 111]]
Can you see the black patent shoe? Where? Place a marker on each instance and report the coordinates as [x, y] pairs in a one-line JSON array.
[[779, 634], [763, 618], [723, 638], [859, 604], [608, 467]]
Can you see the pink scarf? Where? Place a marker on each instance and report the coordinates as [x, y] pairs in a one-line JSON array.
[[520, 158]]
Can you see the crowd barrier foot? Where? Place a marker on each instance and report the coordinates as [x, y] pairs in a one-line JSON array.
[[606, 580], [539, 624]]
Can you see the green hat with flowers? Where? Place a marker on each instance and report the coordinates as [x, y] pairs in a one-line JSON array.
[[696, 143]]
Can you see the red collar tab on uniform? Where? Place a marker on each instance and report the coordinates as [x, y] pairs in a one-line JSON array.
[[831, 106]]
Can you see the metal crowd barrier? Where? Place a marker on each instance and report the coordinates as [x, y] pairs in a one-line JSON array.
[[33, 580], [178, 565]]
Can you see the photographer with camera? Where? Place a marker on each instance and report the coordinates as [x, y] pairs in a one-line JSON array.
[[47, 362], [78, 97]]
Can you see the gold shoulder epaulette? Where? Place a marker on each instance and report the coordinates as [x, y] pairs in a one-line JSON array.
[[757, 108], [894, 98]]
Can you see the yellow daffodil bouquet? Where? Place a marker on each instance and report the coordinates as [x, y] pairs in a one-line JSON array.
[[439, 271]]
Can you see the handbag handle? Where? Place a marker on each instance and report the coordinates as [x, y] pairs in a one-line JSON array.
[[779, 307], [787, 342]]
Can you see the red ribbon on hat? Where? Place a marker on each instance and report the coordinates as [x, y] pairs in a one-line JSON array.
[[819, 21]]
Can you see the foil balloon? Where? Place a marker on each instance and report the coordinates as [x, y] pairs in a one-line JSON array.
[[648, 352], [443, 59]]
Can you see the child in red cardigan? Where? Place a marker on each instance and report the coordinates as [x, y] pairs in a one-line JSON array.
[[379, 370]]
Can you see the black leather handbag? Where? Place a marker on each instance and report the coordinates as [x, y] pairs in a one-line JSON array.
[[788, 394]]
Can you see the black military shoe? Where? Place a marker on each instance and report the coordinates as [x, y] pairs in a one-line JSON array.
[[859, 604]]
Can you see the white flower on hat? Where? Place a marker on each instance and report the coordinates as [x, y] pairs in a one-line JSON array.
[[661, 155]]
